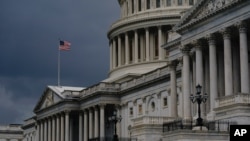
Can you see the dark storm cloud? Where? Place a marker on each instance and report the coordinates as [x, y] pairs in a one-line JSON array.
[[29, 33]]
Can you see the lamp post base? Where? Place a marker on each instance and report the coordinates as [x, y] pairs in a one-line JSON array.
[[199, 121], [115, 138]]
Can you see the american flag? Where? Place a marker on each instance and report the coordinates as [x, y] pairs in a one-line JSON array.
[[64, 45]]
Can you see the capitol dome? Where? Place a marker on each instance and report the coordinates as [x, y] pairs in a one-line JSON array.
[[136, 38]]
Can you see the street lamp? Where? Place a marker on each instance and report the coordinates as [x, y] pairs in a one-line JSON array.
[[114, 118], [199, 99]]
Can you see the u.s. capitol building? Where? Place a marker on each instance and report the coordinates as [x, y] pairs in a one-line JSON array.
[[160, 50]]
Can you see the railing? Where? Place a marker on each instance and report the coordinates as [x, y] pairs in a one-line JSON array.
[[145, 78], [109, 87], [232, 99], [219, 126], [111, 139], [151, 120]]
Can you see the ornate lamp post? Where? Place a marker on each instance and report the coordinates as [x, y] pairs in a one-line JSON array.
[[199, 99], [114, 118]]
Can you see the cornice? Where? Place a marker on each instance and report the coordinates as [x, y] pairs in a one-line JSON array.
[[203, 10], [141, 21]]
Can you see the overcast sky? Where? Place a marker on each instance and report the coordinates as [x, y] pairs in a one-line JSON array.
[[29, 33]]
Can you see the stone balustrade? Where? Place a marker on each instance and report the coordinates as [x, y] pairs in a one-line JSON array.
[[233, 99], [151, 120]]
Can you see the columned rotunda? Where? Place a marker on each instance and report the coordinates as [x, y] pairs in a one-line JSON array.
[[160, 50]]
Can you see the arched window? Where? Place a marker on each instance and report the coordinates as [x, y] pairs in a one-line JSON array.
[[158, 3], [148, 4]]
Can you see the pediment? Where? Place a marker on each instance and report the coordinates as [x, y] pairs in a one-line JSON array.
[[202, 10], [48, 99]]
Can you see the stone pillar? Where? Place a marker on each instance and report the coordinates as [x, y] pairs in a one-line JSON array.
[[119, 51], [85, 135], [126, 49], [67, 126], [244, 70], [62, 128], [102, 121], [53, 129], [96, 122], [160, 50], [80, 126], [45, 137], [49, 129], [110, 56], [41, 129], [136, 47], [199, 71], [38, 131], [172, 67], [90, 123], [186, 83], [228, 63], [147, 44], [114, 53], [57, 128], [213, 72]]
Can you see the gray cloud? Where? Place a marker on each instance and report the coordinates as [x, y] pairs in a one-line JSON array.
[[29, 32]]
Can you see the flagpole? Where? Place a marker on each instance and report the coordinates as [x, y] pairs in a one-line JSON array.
[[59, 66]]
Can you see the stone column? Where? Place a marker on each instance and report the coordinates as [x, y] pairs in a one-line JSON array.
[[66, 125], [110, 56], [41, 129], [38, 131], [228, 63], [57, 128], [244, 70], [186, 83], [62, 127], [53, 129], [49, 129], [80, 126], [96, 122], [160, 50], [114, 53], [199, 71], [119, 51], [90, 123], [172, 67], [45, 137], [126, 49], [136, 47], [213, 72], [102, 121], [85, 126], [147, 44]]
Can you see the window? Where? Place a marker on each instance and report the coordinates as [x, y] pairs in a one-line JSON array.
[[156, 51], [133, 9], [179, 2], [131, 112], [158, 3], [148, 4], [153, 106], [191, 2], [140, 109], [165, 101], [139, 5], [168, 2]]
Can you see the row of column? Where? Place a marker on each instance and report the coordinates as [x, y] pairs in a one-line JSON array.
[[91, 125], [134, 6], [228, 67], [54, 128], [137, 48]]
